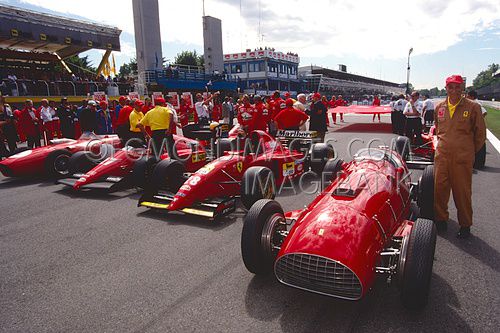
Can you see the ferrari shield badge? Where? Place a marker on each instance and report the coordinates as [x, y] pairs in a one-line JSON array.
[[239, 166], [466, 114]]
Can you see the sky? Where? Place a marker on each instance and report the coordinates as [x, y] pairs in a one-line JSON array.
[[371, 38]]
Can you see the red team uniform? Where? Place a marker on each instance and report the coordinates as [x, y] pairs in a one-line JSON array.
[[247, 117], [263, 116]]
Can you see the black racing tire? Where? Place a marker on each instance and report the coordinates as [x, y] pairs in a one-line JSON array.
[[167, 174], [224, 145], [332, 169], [81, 162], [425, 199], [56, 163], [402, 147], [414, 212], [480, 159], [256, 258], [142, 170], [320, 154], [416, 279], [257, 183]]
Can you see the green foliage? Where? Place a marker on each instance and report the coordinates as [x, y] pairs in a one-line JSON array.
[[485, 78], [77, 64], [129, 68], [189, 58], [433, 92]]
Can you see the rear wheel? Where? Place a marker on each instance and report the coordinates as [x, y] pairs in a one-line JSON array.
[[320, 154], [416, 276], [260, 237], [257, 183], [223, 145], [425, 197], [56, 163], [142, 170], [168, 174]]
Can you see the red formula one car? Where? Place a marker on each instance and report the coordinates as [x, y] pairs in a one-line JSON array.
[[252, 172], [52, 160], [422, 155], [128, 166], [359, 226]]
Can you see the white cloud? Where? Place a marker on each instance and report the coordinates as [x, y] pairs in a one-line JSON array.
[[363, 28]]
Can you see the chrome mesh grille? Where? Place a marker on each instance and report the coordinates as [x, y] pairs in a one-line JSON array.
[[318, 274]]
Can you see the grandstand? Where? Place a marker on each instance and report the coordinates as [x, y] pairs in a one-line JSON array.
[[355, 87], [33, 45]]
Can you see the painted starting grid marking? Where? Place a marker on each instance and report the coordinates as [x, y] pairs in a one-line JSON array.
[[493, 140]]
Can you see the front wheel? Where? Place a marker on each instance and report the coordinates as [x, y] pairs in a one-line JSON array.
[[260, 237], [56, 163], [257, 183], [417, 272]]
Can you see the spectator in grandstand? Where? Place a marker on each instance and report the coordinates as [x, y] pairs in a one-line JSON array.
[[340, 102], [400, 119], [8, 130], [376, 102], [318, 114], [428, 111], [122, 123], [88, 118], [413, 114], [290, 118], [136, 136], [67, 119], [29, 124], [104, 125]]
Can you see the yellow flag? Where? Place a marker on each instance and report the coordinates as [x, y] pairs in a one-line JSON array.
[[113, 69]]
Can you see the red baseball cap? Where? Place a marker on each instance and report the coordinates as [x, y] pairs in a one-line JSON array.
[[160, 100], [289, 102], [103, 104], [122, 98], [138, 103], [287, 95], [317, 95], [454, 79]]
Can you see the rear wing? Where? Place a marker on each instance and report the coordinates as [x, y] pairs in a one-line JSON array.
[[296, 134]]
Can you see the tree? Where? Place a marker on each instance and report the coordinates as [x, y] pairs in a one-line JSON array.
[[78, 65], [485, 78], [129, 68], [189, 58]]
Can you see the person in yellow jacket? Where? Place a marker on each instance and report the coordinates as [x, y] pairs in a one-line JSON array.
[[160, 119], [461, 132], [135, 135]]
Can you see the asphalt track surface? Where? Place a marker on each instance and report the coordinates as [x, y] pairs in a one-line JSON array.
[[97, 263]]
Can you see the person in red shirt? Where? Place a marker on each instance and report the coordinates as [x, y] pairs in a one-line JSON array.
[[247, 115], [29, 123], [333, 104], [148, 105], [340, 102], [123, 123], [376, 102], [324, 100], [290, 118], [263, 114], [216, 113], [187, 113]]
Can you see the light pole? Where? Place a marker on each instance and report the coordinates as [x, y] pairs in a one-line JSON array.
[[408, 73]]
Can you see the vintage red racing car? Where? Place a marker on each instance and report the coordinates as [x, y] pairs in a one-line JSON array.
[[358, 227]]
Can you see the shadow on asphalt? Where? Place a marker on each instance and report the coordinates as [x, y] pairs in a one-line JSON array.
[[28, 181], [91, 194], [490, 169], [379, 311], [473, 246], [178, 218]]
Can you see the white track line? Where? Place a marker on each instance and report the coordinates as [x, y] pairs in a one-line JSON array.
[[493, 140]]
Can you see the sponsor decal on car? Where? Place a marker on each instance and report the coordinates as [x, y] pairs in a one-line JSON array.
[[206, 169], [288, 168], [185, 188], [198, 157]]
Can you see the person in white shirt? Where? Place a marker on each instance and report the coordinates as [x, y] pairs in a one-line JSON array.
[[45, 111], [300, 105], [413, 113], [202, 109], [428, 111]]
